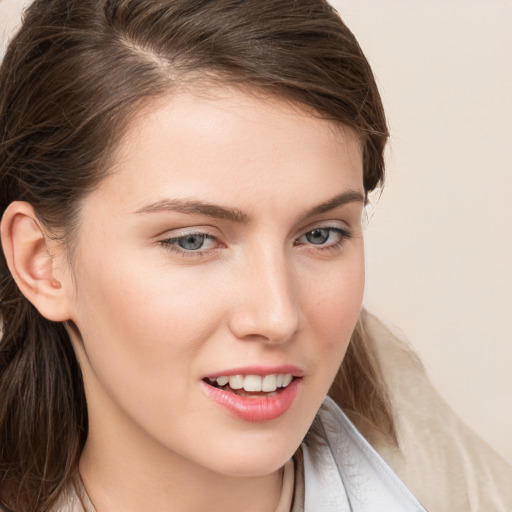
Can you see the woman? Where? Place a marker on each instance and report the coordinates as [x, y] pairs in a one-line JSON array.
[[182, 186]]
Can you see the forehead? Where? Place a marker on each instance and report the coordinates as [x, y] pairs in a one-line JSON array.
[[229, 143]]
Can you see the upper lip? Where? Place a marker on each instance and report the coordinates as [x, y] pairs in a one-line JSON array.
[[284, 369]]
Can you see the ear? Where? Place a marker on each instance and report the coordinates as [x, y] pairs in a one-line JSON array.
[[34, 262]]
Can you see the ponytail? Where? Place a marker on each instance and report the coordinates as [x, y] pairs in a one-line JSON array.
[[43, 415]]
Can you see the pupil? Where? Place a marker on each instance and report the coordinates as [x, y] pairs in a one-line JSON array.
[[191, 242], [317, 236]]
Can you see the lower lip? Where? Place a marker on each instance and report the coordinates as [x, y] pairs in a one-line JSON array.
[[255, 409]]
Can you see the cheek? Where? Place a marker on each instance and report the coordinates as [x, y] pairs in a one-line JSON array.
[[136, 294], [336, 297], [141, 325], [142, 337], [333, 307]]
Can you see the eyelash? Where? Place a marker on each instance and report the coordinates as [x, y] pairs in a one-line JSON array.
[[171, 244], [343, 234]]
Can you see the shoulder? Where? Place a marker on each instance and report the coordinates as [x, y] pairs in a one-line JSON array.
[[438, 457]]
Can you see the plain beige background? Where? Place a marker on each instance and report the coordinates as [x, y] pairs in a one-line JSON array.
[[439, 242]]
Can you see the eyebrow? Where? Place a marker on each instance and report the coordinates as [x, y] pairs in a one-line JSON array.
[[350, 196], [189, 206]]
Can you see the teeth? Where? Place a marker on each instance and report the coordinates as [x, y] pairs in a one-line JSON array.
[[286, 380], [255, 383], [252, 383], [269, 383], [236, 382], [222, 381]]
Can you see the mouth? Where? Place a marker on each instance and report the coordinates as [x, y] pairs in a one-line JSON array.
[[252, 385], [252, 397]]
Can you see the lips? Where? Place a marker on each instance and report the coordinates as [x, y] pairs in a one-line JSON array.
[[256, 393]]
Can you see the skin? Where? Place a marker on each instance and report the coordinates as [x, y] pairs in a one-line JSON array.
[[152, 320]]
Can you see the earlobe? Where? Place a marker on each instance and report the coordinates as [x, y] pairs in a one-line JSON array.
[[26, 249]]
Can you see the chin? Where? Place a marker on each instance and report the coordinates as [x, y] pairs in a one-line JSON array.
[[249, 466], [256, 457]]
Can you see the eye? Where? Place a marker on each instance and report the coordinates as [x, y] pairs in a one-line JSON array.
[[325, 237], [190, 243], [318, 236]]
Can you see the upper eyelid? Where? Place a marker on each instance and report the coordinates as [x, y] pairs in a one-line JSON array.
[[174, 233], [325, 224], [189, 233]]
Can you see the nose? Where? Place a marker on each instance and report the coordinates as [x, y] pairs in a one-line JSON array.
[[266, 304]]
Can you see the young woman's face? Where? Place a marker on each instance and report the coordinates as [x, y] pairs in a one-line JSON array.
[[226, 243]]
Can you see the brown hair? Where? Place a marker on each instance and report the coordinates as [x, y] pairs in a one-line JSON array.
[[69, 84]]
